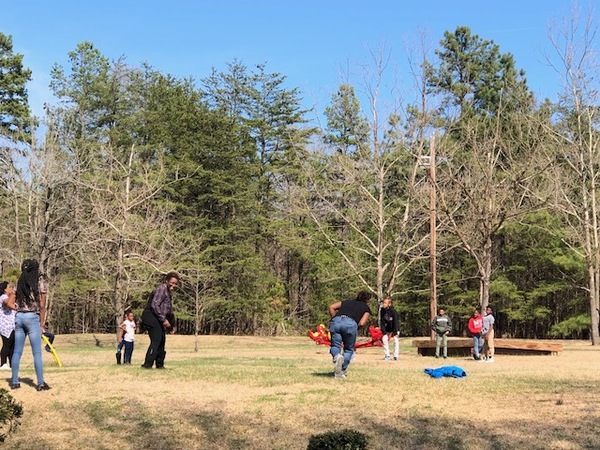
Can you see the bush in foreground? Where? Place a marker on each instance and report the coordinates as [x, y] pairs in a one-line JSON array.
[[338, 440], [10, 413]]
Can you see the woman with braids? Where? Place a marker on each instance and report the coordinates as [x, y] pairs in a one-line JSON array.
[[157, 319], [30, 304]]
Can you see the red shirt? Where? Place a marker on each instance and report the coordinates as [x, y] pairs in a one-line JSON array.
[[475, 324]]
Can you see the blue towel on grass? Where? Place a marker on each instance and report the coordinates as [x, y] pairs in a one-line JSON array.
[[446, 371]]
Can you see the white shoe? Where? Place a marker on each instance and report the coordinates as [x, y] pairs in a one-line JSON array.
[[490, 360], [5, 367]]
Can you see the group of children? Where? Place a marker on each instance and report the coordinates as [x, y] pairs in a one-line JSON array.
[[480, 327]]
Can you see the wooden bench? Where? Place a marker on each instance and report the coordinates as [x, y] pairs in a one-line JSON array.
[[464, 347]]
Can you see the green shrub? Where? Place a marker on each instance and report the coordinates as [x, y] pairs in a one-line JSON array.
[[572, 327], [10, 413], [338, 440]]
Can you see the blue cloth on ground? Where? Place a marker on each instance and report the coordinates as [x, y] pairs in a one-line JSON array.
[[446, 371]]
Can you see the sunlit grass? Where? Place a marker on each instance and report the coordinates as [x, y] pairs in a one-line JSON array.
[[274, 393]]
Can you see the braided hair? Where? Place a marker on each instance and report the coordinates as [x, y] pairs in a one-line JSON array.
[[28, 285]]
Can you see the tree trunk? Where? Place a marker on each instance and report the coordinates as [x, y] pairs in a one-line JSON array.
[[486, 275], [594, 304]]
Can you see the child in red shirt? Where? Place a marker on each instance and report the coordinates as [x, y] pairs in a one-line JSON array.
[[475, 325]]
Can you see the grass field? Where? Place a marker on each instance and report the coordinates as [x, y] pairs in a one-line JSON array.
[[274, 393]]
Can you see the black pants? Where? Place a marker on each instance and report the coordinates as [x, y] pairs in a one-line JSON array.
[[158, 335], [8, 345]]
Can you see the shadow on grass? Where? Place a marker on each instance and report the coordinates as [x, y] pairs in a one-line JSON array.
[[422, 432], [217, 427], [23, 381], [328, 374]]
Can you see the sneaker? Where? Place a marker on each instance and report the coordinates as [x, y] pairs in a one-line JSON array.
[[339, 361], [48, 349], [490, 360], [5, 366], [445, 357], [15, 385], [339, 376], [144, 366], [395, 358], [42, 387], [387, 358], [436, 356]]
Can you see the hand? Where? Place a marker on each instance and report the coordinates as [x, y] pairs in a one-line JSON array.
[[173, 330], [167, 324]]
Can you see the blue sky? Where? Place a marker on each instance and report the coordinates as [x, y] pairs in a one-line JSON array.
[[315, 44]]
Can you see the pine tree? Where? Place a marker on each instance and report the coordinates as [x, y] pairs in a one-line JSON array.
[[15, 115]]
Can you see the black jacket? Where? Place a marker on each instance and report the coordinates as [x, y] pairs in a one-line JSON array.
[[388, 320]]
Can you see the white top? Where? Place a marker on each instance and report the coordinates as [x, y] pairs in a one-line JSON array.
[[488, 322], [7, 318], [128, 327]]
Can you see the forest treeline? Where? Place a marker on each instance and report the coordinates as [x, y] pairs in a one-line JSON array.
[[132, 173]]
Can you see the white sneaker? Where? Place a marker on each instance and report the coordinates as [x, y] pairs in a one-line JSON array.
[[339, 361], [490, 360], [5, 366]]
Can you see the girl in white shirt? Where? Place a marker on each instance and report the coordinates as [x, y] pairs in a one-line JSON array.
[[127, 336]]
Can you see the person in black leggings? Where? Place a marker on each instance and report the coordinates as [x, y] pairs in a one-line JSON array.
[[157, 319], [7, 325]]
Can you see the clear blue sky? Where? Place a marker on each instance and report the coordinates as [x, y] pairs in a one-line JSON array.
[[311, 42]]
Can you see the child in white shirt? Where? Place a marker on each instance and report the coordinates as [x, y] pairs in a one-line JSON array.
[[127, 336]]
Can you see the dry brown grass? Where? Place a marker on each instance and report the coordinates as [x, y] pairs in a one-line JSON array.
[[274, 393]]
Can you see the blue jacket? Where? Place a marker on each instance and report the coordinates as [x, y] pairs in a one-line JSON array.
[[446, 371]]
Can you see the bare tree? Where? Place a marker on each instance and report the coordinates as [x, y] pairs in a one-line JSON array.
[[576, 153], [487, 179], [364, 197], [126, 236]]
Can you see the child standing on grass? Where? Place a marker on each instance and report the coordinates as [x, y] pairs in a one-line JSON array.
[[7, 325], [475, 326], [487, 332], [442, 325], [126, 337], [390, 325], [120, 341]]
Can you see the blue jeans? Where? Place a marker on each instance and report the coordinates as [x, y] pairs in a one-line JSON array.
[[128, 351], [343, 329], [477, 344], [28, 324]]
